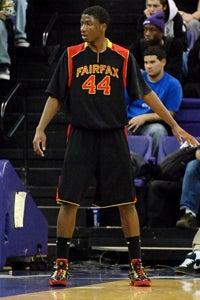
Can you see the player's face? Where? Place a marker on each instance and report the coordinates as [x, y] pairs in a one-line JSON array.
[[91, 29], [153, 65], [152, 34], [153, 6]]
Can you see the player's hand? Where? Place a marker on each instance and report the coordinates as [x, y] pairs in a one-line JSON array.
[[182, 134], [39, 142]]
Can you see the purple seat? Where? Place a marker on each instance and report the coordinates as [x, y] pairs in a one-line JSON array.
[[167, 145], [188, 116], [142, 145]]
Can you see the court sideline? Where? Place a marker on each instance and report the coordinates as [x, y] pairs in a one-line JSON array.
[[99, 284]]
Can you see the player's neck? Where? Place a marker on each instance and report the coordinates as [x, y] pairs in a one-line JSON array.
[[99, 46]]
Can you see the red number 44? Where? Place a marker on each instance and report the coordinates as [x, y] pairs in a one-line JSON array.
[[103, 85]]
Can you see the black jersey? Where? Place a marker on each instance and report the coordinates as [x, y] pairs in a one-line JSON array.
[[92, 84]]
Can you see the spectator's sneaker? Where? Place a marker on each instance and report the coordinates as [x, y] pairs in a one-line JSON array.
[[187, 221], [21, 42], [190, 265], [60, 274], [4, 72], [137, 274]]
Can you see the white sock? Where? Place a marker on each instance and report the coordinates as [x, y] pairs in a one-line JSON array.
[[188, 211]]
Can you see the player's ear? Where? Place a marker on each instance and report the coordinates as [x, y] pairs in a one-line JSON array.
[[104, 27]]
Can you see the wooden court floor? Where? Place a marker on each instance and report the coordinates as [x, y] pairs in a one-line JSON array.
[[102, 284]]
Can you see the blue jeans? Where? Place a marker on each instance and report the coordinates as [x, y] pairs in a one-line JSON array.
[[4, 57], [190, 197], [155, 130], [20, 7]]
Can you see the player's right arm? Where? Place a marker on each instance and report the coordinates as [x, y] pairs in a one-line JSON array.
[[52, 106]]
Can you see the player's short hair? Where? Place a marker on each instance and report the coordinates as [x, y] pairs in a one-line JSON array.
[[98, 12], [159, 51]]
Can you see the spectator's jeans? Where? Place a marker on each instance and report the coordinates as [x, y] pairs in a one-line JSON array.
[[156, 130], [20, 8], [4, 57], [190, 197]]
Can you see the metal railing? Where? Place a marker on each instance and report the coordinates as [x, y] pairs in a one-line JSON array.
[[48, 28], [9, 103], [7, 134]]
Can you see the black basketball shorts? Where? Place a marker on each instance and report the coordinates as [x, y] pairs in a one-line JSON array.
[[100, 154]]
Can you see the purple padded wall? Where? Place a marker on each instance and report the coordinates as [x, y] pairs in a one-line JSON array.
[[21, 241]]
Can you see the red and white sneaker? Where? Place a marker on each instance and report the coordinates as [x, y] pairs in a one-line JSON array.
[[137, 274], [60, 273]]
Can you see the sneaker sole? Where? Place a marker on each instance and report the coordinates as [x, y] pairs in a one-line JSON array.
[[58, 282], [5, 77], [22, 46], [185, 225], [141, 283], [180, 271], [187, 272]]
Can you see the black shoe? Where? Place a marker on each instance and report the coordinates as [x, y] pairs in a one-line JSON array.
[[190, 265], [187, 221]]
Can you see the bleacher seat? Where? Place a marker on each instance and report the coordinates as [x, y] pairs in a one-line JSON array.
[[188, 116], [142, 145], [167, 145]]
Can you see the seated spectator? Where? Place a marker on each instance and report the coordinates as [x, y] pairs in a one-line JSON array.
[[191, 264], [20, 35], [174, 26], [142, 120], [192, 19], [191, 88], [164, 190], [193, 258], [154, 36], [190, 196]]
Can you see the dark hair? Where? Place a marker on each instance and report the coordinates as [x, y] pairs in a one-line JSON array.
[[159, 51], [98, 12], [163, 2]]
